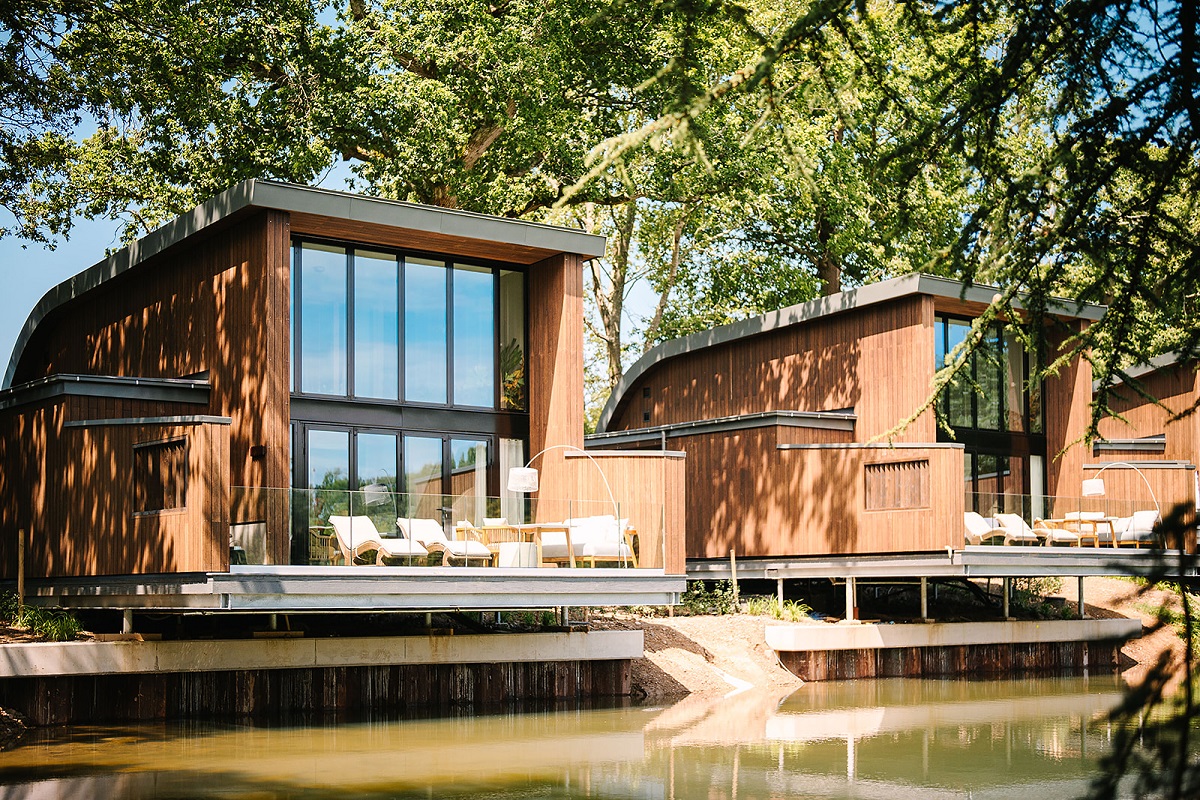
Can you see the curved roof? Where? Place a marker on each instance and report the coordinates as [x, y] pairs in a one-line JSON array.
[[871, 294], [259, 194]]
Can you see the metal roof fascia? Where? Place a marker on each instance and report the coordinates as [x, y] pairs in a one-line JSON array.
[[177, 390]]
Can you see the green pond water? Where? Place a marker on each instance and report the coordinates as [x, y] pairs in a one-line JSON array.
[[893, 739]]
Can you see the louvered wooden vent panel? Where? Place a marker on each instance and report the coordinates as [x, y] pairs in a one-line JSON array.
[[896, 485]]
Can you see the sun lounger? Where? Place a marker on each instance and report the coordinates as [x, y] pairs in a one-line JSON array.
[[357, 537], [980, 530], [1016, 531], [1052, 534], [430, 534]]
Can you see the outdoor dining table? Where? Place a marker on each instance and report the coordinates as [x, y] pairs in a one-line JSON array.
[[531, 533], [536, 529], [1080, 524]]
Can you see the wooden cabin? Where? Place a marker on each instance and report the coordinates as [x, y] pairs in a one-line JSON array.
[[784, 418], [281, 340], [1146, 453]]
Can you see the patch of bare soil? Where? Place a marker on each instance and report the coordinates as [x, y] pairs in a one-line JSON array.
[[715, 655], [701, 655], [10, 635], [1106, 598]]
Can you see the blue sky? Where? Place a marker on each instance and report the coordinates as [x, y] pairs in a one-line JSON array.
[[29, 270]]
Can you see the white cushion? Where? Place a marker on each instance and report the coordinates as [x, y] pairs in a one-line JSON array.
[[354, 531], [425, 531]]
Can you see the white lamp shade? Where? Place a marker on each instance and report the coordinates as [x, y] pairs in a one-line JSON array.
[[522, 479], [1093, 487]]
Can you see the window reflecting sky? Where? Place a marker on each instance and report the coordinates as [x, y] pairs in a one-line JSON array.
[[474, 336], [376, 325], [424, 331], [323, 319]]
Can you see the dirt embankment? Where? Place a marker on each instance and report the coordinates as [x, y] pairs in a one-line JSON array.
[[686, 655]]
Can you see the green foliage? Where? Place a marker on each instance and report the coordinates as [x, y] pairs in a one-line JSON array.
[[512, 381], [1176, 618], [699, 599], [1031, 595], [54, 624], [788, 610]]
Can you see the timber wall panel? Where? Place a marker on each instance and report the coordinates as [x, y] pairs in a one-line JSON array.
[[650, 491], [555, 289], [877, 360], [746, 494], [1177, 389], [75, 499], [222, 305], [1067, 404]]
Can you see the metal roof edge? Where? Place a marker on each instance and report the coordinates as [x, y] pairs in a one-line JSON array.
[[1147, 367], [184, 390]]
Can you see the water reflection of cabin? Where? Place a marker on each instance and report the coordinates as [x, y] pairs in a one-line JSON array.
[[284, 337], [780, 416]]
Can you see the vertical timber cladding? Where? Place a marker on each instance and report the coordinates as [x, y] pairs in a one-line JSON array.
[[99, 466], [555, 297], [218, 304], [1067, 403], [650, 489], [1175, 387], [877, 360], [748, 495], [269, 693]]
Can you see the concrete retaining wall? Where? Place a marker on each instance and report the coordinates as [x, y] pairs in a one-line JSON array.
[[55, 684]]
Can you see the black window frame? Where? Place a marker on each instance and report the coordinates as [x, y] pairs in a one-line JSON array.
[[296, 301]]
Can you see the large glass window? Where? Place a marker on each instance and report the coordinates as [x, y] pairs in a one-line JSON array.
[[989, 392], [425, 323], [512, 340], [474, 336], [468, 479], [423, 476], [377, 460], [323, 319], [960, 393], [373, 325], [376, 325], [328, 474]]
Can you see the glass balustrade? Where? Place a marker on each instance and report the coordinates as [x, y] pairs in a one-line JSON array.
[[1062, 521], [374, 526]]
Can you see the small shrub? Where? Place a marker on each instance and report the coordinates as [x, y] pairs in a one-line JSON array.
[[1176, 619], [699, 600], [54, 624], [788, 611]]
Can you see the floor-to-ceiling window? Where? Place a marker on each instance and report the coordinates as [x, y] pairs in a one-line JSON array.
[[995, 413], [408, 381]]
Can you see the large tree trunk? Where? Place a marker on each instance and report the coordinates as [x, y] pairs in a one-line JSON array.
[[829, 267], [610, 295]]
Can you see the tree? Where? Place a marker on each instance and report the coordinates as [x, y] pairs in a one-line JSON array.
[[1075, 127]]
